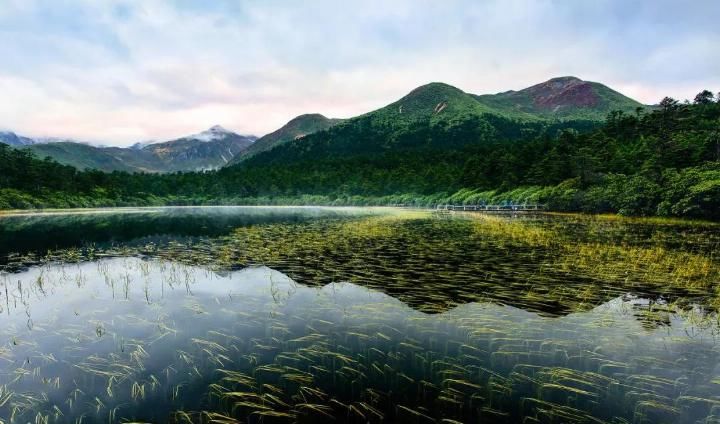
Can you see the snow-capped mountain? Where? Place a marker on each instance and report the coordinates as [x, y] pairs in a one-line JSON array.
[[215, 132], [210, 149]]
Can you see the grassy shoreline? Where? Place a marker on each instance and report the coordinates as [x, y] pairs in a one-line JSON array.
[[40, 211]]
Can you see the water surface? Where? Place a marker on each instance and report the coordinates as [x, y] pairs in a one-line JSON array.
[[352, 315]]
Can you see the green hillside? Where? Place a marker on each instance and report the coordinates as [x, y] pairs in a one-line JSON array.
[[298, 127], [435, 116], [435, 145], [417, 120], [184, 154], [662, 162], [83, 156]]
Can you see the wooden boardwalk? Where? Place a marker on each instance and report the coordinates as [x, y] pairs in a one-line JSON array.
[[492, 208], [503, 208]]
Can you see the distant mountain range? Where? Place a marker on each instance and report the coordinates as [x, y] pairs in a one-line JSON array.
[[12, 139], [555, 100], [210, 149]]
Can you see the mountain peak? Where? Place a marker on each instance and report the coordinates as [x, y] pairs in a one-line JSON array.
[[307, 116], [562, 92], [433, 100], [215, 132], [218, 129], [561, 97], [435, 88], [564, 80], [295, 129]]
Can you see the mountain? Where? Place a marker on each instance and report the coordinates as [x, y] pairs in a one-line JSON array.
[[82, 156], [437, 145], [206, 150], [441, 117], [561, 98], [437, 137], [296, 128], [435, 101], [419, 120], [12, 139]]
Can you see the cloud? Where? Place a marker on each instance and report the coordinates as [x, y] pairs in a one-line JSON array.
[[119, 71]]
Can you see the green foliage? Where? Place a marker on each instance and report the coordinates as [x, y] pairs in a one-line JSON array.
[[296, 128], [664, 162]]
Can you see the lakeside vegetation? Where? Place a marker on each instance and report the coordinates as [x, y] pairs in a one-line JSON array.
[[665, 162]]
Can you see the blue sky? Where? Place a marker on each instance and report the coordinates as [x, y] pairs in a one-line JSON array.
[[119, 71]]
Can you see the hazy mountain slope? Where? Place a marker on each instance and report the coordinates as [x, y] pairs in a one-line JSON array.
[[209, 149], [12, 139], [561, 98], [82, 156], [296, 128], [191, 154]]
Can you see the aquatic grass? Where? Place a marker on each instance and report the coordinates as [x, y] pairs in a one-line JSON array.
[[270, 350], [621, 264]]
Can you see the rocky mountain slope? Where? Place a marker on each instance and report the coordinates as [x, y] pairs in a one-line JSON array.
[[561, 98]]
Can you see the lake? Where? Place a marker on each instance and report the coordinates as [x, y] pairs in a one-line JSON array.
[[313, 315]]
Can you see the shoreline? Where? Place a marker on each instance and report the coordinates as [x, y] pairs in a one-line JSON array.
[[150, 209], [656, 220]]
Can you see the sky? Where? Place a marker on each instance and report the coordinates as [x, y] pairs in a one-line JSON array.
[[122, 71]]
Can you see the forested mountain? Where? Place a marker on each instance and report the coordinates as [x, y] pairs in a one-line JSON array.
[[210, 149], [295, 129], [659, 161], [419, 120], [85, 156], [554, 102]]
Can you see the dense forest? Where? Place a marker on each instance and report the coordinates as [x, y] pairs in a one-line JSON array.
[[660, 162]]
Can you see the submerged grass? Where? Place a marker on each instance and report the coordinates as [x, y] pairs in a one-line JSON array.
[[153, 341], [339, 354], [617, 263]]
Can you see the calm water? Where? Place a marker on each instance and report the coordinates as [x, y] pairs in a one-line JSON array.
[[356, 315]]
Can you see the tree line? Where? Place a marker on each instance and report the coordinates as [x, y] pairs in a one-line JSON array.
[[663, 161]]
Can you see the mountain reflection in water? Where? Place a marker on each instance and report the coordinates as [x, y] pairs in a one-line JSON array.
[[153, 340]]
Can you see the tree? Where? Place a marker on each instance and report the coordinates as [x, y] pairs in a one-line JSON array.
[[668, 104], [704, 97]]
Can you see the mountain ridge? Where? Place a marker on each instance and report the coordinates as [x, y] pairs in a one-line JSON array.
[[564, 98], [296, 128], [209, 149]]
